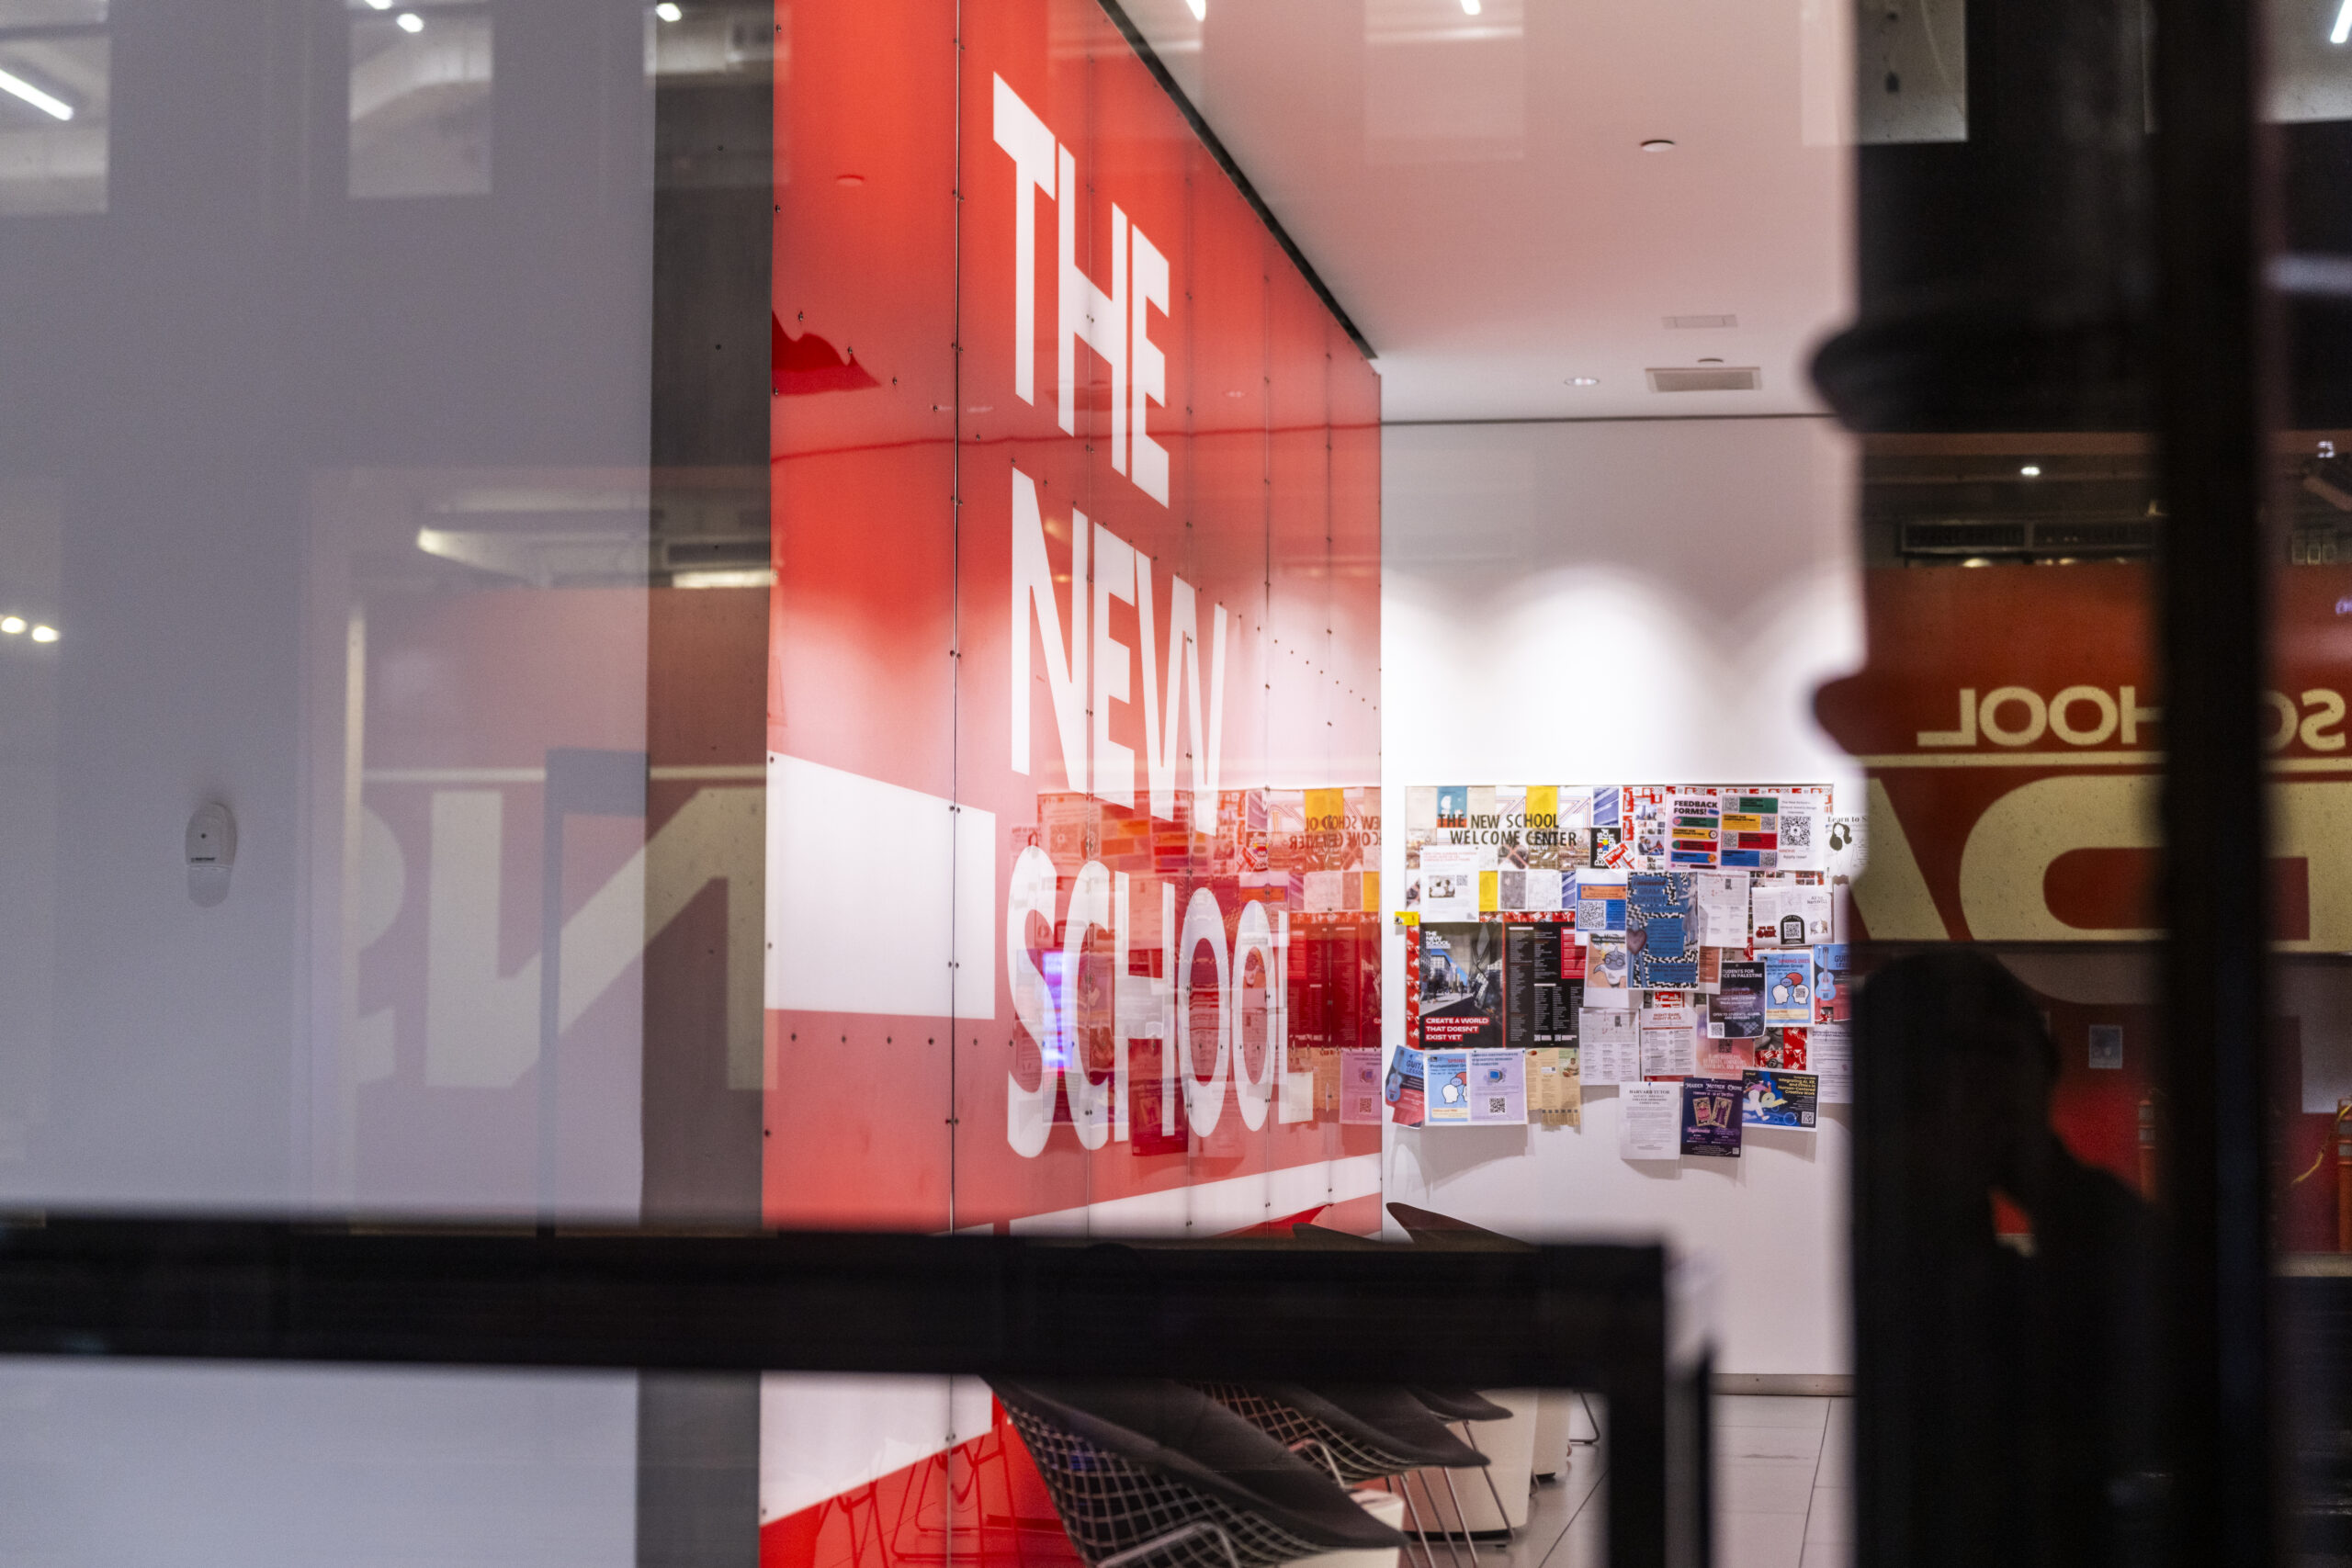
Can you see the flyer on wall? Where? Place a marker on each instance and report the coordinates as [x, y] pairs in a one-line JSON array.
[[1541, 1008], [1657, 945], [1499, 1088], [1784, 1048], [1711, 1117], [1360, 1087], [1449, 881], [1832, 1002], [1462, 984], [1788, 988], [1780, 1100], [1750, 829], [1611, 1053], [1403, 1091], [1555, 1087], [1832, 1065], [1446, 1076], [1740, 999], [1649, 1120]]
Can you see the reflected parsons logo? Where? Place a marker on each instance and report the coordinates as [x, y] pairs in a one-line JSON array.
[[1114, 324]]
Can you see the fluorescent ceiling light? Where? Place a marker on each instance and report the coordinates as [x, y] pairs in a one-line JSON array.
[[44, 634], [2342, 28], [734, 576], [668, 11], [1199, 9], [58, 108], [409, 22]]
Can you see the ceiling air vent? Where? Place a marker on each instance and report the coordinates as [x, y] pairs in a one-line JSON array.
[[1706, 378]]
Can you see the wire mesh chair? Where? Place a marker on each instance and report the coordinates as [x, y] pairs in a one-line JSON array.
[[1361, 1434], [1128, 1497]]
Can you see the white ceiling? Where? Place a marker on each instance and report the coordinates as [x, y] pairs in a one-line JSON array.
[[1473, 192]]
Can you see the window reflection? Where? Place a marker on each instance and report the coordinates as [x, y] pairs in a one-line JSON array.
[[419, 99], [53, 105]]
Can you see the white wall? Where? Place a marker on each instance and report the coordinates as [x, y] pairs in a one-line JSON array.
[[1640, 601]]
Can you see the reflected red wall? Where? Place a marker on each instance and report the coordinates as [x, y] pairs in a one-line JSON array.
[[2012, 733], [911, 637]]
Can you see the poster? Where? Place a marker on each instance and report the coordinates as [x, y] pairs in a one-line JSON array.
[[1462, 984], [1543, 886], [1750, 831], [1650, 811], [1608, 849], [1540, 1006], [1446, 1091], [1605, 972], [1740, 999], [1831, 1046], [1659, 948], [1649, 1120], [1832, 1002], [1784, 1048], [1789, 914], [1711, 1117], [1452, 805], [1668, 1049], [1360, 1087], [1554, 1086], [1721, 901], [1691, 844], [1788, 988], [1610, 1052], [1805, 831], [1600, 905], [1606, 810], [1449, 881], [1499, 1088], [1723, 1058], [1404, 1090], [1780, 1100]]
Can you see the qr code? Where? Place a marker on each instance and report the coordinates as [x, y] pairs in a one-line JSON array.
[[1497, 1105], [1796, 830]]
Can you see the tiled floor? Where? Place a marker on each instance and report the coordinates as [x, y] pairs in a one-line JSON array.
[[1780, 1482]]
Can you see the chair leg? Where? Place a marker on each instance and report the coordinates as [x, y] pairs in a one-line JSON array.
[[1422, 1530], [1453, 1552], [1467, 1539], [1176, 1537], [1413, 1517], [1488, 1471]]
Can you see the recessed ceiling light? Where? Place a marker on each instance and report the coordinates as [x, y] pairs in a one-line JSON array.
[[1657, 144], [849, 179], [1200, 9], [2031, 470], [668, 11], [44, 634], [1469, 8], [1584, 380], [2342, 28], [12, 624], [1715, 361], [379, 4], [409, 22]]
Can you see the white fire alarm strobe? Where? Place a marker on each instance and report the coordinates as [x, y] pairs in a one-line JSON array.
[[212, 850]]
